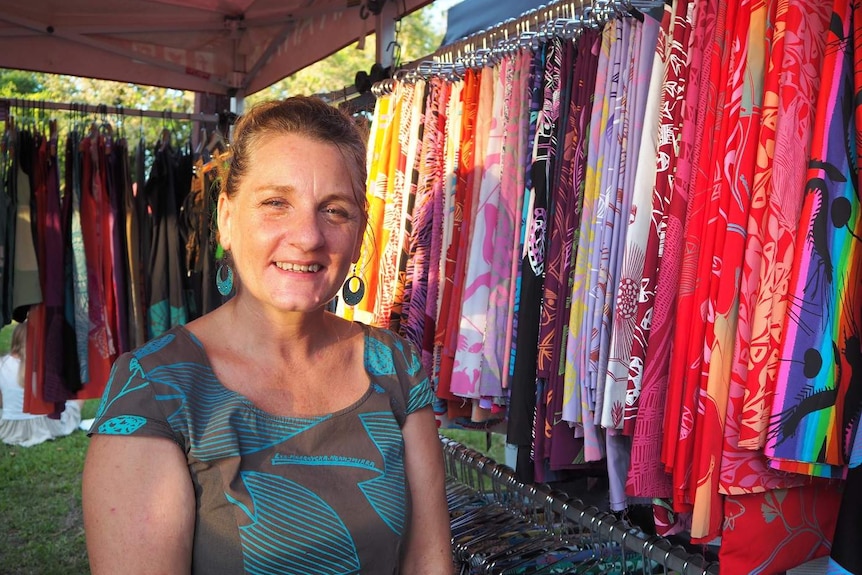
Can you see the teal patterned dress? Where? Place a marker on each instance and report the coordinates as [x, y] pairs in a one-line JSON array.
[[278, 495]]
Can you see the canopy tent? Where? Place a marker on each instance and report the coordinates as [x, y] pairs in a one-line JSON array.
[[227, 47]]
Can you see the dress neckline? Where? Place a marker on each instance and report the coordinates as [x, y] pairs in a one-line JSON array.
[[205, 361]]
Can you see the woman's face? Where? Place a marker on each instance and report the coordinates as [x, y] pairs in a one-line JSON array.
[[294, 226]]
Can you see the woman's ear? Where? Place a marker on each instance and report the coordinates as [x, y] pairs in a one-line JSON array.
[[223, 219]]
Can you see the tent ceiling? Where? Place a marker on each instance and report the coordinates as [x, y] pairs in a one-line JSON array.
[[217, 46]]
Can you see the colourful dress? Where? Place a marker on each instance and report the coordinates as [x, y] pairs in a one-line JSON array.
[[291, 495]]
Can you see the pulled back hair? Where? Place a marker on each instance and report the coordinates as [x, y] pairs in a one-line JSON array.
[[304, 116]]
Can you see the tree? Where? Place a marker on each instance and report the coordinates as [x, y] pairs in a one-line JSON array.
[[39, 87], [418, 35]]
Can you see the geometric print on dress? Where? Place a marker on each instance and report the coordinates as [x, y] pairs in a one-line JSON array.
[[378, 358], [385, 493], [128, 424], [224, 424], [420, 396], [292, 531]]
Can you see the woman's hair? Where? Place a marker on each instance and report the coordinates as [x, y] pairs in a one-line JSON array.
[[18, 348], [18, 345], [302, 115]]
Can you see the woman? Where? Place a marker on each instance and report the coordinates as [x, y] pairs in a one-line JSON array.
[[270, 436], [16, 426]]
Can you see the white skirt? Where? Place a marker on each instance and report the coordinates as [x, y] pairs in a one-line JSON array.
[[29, 432]]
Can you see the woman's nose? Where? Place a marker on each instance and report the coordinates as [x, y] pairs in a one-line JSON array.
[[307, 230]]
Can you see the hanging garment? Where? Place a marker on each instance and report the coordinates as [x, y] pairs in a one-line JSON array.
[[62, 376], [517, 151], [118, 180], [788, 112], [536, 249], [647, 476], [799, 87], [102, 350], [78, 278], [420, 322], [742, 114], [35, 402], [818, 394], [25, 287], [653, 195], [485, 206], [453, 288], [846, 556], [135, 222], [7, 225], [588, 47], [562, 450], [700, 233], [522, 397], [166, 307]]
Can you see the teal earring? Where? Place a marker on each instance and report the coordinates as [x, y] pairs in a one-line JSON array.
[[350, 294], [224, 280]]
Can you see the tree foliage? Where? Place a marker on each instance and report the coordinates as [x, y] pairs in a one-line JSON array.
[[418, 35]]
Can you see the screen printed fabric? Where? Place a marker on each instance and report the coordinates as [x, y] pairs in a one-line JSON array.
[[287, 495]]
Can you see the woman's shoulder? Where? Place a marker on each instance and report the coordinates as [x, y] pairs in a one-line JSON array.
[[177, 345], [387, 337]]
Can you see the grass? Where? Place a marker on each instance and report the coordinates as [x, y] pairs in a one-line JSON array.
[[41, 527], [491, 444]]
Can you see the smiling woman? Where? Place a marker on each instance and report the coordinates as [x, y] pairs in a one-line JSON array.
[[270, 435]]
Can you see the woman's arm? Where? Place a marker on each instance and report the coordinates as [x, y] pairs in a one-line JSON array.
[[428, 545], [139, 506]]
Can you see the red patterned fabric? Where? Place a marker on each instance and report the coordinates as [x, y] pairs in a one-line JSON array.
[[768, 533]]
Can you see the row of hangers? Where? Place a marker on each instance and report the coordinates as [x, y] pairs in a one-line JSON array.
[[530, 30], [94, 121], [502, 526]]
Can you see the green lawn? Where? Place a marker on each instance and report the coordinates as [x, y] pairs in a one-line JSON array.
[[479, 440], [41, 530], [6, 338]]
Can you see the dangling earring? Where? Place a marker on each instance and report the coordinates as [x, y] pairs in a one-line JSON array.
[[224, 284], [352, 297]]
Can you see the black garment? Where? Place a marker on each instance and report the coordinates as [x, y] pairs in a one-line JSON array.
[[166, 287], [523, 395], [845, 545]]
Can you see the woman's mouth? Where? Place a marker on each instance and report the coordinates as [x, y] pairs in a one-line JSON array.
[[289, 267]]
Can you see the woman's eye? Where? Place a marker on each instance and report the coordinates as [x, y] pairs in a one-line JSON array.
[[336, 212], [275, 202]]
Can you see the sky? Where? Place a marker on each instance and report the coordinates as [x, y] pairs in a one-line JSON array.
[[442, 6]]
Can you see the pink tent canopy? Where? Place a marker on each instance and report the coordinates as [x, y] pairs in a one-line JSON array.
[[218, 46]]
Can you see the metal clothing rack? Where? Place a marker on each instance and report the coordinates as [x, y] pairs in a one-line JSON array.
[[473, 470], [564, 18], [102, 109]]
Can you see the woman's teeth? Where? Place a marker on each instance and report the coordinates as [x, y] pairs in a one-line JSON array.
[[297, 268]]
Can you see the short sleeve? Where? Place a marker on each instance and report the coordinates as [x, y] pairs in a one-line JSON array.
[[129, 406], [394, 364]]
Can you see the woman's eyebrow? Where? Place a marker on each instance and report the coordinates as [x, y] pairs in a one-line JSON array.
[[281, 188]]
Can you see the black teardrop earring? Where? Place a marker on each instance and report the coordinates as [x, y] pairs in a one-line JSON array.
[[350, 294]]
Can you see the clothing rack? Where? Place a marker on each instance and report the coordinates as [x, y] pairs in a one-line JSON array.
[[482, 474], [7, 103], [563, 18]]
